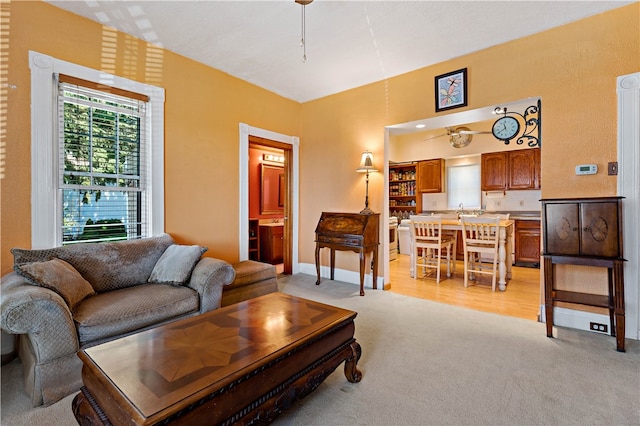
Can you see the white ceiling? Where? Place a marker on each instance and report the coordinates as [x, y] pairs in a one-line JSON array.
[[349, 43]]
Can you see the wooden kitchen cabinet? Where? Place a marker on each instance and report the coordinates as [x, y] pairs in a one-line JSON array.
[[431, 176], [522, 169], [494, 171], [271, 244], [527, 243], [511, 170], [585, 232]]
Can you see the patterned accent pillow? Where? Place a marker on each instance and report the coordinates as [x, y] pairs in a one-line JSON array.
[[176, 264], [59, 276], [107, 266]]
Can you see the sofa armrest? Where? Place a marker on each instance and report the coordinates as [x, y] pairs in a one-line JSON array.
[[41, 314], [208, 278]]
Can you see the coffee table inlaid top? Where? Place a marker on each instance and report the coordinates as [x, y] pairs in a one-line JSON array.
[[178, 362]]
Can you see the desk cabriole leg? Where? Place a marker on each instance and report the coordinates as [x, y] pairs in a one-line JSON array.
[[363, 258], [375, 268], [318, 263], [333, 261]]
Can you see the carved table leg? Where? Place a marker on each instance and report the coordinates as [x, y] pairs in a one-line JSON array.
[[351, 371], [86, 410]]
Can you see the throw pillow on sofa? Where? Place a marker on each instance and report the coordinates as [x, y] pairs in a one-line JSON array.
[[59, 276], [176, 264]]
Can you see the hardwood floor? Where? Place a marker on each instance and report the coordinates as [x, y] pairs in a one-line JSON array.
[[521, 299]]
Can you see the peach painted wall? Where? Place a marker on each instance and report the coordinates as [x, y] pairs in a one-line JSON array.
[[573, 69], [203, 107]]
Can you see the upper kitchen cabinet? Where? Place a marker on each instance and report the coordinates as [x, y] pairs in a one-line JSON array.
[[494, 171], [523, 170], [511, 170], [431, 176]]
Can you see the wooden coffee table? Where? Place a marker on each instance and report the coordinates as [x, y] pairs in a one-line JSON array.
[[239, 364]]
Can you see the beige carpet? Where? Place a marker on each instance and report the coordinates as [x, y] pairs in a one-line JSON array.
[[426, 363]]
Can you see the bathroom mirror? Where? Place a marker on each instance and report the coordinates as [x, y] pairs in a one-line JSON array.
[[271, 189]]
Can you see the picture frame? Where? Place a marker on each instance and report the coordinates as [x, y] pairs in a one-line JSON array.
[[451, 90]]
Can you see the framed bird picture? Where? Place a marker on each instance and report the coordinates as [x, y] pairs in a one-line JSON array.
[[451, 90]]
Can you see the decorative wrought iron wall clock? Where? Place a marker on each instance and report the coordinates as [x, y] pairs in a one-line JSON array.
[[507, 127]]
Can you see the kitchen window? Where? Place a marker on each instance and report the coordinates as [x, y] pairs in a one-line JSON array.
[[463, 186]]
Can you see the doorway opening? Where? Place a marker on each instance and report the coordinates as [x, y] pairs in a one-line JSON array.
[[268, 202], [405, 143], [277, 213]]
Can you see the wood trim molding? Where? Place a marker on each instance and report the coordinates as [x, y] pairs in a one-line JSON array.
[[292, 203], [628, 91]]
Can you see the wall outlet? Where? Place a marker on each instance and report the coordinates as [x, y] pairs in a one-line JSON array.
[[498, 203], [595, 326]]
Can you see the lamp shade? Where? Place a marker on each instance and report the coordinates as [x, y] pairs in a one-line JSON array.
[[366, 163]]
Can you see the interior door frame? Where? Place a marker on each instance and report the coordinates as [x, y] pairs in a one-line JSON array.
[[628, 186], [291, 223]]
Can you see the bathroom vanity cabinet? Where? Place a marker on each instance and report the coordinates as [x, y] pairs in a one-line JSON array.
[[272, 243]]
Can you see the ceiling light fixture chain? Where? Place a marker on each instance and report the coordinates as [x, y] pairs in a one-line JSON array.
[[303, 30]]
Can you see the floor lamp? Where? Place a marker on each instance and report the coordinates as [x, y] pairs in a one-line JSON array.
[[366, 166]]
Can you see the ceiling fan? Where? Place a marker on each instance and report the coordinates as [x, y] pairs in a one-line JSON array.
[[460, 136]]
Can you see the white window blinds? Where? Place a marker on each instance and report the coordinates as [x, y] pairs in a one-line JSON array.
[[102, 162], [463, 187]]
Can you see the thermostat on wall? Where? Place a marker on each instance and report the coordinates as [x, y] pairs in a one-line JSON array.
[[586, 169]]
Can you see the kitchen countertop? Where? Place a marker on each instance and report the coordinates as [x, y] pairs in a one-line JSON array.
[[516, 215]]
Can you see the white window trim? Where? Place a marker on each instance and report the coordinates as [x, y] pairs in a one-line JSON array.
[[45, 196]]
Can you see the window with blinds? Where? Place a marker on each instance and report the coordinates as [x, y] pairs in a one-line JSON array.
[[102, 162], [463, 186]]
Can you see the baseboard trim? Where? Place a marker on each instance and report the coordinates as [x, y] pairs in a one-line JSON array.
[[351, 277], [578, 320]]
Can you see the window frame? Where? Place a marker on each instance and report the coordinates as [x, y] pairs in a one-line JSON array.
[[46, 195], [454, 172]]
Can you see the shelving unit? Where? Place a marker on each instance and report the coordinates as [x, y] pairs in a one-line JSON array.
[[254, 241], [404, 198]]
